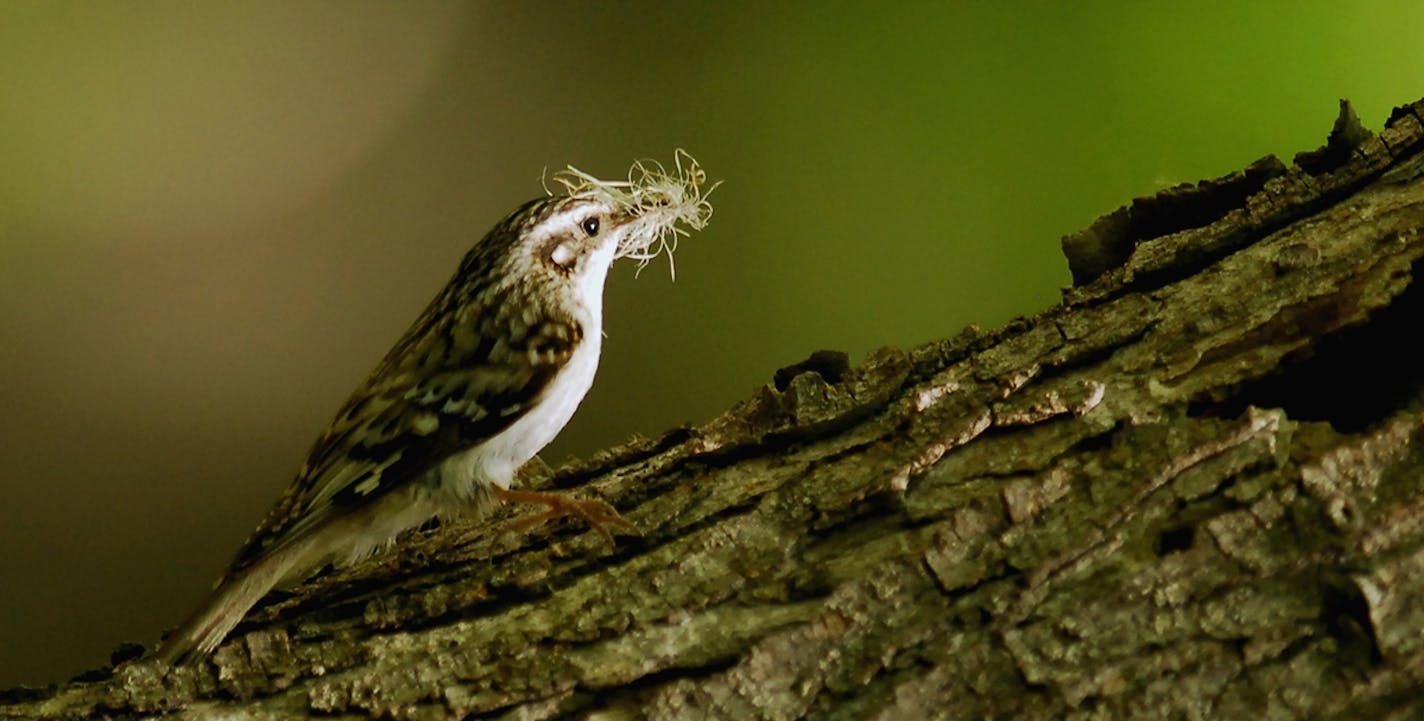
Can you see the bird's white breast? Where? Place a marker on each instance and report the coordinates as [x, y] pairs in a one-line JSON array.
[[495, 461]]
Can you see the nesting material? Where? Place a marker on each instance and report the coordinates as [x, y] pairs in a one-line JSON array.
[[667, 204]]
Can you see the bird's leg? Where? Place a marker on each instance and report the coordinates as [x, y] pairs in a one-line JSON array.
[[596, 513]]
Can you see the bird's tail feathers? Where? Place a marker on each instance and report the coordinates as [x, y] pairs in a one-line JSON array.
[[236, 595]]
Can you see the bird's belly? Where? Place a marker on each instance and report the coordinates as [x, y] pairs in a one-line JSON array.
[[495, 461]]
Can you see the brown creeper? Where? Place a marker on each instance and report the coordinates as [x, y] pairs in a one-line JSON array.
[[485, 378]]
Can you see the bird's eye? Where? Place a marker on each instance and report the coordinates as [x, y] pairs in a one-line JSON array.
[[590, 226]]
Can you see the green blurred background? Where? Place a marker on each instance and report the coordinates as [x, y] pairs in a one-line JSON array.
[[215, 218]]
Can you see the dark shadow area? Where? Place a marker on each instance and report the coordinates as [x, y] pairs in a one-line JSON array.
[[1354, 378]]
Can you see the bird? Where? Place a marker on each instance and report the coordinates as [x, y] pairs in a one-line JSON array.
[[485, 377]]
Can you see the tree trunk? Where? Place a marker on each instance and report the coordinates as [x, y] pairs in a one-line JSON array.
[[1192, 490]]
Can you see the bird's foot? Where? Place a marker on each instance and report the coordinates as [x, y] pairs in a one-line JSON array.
[[598, 514]]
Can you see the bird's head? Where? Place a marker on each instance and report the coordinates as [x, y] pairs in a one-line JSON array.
[[567, 242]]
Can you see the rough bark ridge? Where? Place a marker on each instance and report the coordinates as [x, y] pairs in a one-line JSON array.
[[1192, 490]]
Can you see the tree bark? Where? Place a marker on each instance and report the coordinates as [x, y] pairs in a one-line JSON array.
[[1191, 490]]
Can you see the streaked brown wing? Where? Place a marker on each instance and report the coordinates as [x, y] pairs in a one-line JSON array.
[[421, 405]]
